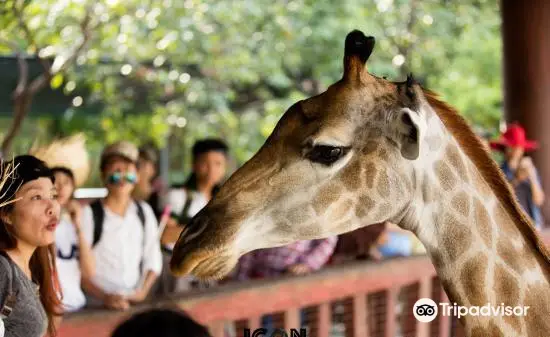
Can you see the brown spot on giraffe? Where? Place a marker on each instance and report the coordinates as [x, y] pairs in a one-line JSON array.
[[481, 185], [491, 331], [483, 222], [457, 238], [326, 195], [456, 162], [369, 148], [472, 277], [507, 292], [370, 175], [383, 185], [297, 215], [506, 250], [365, 205], [503, 222], [461, 203], [536, 320], [445, 175], [351, 176]]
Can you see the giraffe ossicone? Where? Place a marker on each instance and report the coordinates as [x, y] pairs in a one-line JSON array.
[[368, 150]]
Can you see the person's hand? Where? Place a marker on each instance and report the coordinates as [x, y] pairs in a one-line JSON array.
[[75, 210], [117, 302], [527, 165], [138, 296], [171, 222], [299, 269]]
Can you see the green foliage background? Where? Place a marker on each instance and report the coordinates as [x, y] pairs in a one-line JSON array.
[[231, 68]]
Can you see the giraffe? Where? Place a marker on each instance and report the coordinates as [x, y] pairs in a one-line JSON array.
[[368, 150]]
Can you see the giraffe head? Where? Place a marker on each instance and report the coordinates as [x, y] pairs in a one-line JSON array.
[[334, 162]]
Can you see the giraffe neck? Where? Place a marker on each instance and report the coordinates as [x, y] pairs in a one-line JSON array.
[[480, 254]]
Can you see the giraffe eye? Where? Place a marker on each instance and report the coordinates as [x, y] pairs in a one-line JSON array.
[[325, 154]]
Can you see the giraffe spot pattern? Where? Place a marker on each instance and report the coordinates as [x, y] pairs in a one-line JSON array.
[[457, 238], [472, 278], [365, 205], [325, 197], [456, 162], [507, 292], [370, 174], [351, 176], [369, 148], [444, 175], [506, 251], [483, 222], [383, 185], [461, 203], [504, 222], [538, 300]]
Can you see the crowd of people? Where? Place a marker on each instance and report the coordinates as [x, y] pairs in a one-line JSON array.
[[114, 252]]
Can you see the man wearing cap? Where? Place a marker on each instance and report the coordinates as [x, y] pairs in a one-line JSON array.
[[520, 170], [123, 232]]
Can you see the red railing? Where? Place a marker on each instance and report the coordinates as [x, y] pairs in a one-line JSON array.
[[358, 299]]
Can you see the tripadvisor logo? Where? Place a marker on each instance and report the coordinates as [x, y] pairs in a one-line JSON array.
[[426, 310]]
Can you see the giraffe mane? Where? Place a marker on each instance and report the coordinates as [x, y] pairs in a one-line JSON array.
[[471, 145]]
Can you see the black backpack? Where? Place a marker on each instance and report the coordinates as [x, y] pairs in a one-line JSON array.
[[99, 215]]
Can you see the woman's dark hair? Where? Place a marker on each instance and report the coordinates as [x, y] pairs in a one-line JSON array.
[[201, 147], [161, 323], [42, 264]]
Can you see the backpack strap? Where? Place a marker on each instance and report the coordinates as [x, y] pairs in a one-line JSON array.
[[98, 215], [11, 296], [140, 213]]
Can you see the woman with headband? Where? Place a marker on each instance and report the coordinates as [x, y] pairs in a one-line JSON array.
[[29, 214]]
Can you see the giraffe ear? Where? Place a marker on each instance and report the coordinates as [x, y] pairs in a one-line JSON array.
[[411, 128]]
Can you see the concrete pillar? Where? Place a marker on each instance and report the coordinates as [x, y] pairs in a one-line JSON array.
[[526, 69]]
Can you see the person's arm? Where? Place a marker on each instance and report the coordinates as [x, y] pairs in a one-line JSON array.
[[152, 256], [537, 194], [317, 256]]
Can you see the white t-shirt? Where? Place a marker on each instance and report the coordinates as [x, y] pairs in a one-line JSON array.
[[177, 198], [68, 265], [120, 250]]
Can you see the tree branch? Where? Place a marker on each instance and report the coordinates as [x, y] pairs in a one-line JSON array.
[[29, 35], [23, 69]]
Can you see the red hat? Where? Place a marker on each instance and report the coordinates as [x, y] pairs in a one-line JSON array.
[[514, 137]]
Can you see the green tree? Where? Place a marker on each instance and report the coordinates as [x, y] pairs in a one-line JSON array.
[[174, 71]]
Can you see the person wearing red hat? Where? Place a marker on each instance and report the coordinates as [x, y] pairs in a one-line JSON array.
[[520, 170]]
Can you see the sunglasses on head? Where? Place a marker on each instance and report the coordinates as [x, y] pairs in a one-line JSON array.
[[118, 177]]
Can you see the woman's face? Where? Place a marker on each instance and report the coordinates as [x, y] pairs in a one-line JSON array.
[[65, 188], [35, 215], [210, 167]]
